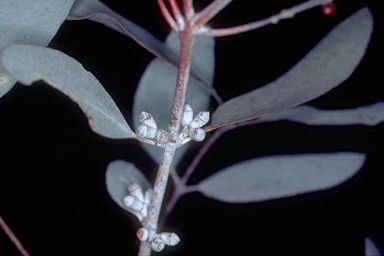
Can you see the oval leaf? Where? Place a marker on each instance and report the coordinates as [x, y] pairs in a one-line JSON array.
[[31, 63], [117, 178], [156, 90], [29, 22], [328, 64], [366, 115], [280, 176], [98, 12]]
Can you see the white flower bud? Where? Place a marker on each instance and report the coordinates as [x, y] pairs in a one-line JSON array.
[[129, 200], [143, 213], [197, 134], [145, 131], [200, 120], [147, 119], [187, 115], [133, 203], [151, 133], [184, 133], [170, 239], [157, 244], [135, 190], [142, 234], [162, 136], [141, 130]]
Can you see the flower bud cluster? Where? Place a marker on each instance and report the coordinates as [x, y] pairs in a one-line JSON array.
[[137, 202], [192, 126], [148, 129], [158, 241]]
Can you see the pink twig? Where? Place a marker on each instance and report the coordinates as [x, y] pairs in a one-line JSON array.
[[189, 10], [13, 238], [167, 16], [177, 14], [274, 19]]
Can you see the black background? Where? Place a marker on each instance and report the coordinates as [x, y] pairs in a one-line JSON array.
[[52, 166]]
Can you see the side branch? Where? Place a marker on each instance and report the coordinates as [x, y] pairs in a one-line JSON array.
[[274, 19]]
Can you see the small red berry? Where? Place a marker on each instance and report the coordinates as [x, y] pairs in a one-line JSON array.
[[328, 9]]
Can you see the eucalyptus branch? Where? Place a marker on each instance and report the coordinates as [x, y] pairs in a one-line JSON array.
[[327, 65], [151, 223], [186, 41], [274, 19]]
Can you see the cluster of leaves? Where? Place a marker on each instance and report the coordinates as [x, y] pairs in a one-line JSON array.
[[25, 58]]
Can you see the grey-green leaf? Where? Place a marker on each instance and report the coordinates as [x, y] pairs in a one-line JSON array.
[[117, 178], [366, 115], [156, 89], [327, 65], [280, 176], [29, 22], [30, 63]]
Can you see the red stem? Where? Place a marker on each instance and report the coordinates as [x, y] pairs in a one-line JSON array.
[[177, 14], [167, 16]]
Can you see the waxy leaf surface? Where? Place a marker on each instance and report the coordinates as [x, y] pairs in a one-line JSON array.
[[327, 65], [29, 22], [366, 115], [96, 11], [280, 176], [156, 90], [30, 63], [117, 178]]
